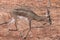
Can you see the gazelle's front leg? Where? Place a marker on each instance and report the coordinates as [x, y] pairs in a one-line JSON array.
[[28, 30], [15, 17]]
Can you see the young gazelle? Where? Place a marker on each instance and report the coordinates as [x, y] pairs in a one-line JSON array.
[[28, 13], [25, 11]]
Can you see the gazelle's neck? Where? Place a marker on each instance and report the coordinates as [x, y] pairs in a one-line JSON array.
[[40, 18]]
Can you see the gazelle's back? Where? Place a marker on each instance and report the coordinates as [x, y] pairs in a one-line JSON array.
[[26, 12]]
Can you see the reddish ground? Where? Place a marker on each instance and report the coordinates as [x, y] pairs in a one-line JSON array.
[[45, 32]]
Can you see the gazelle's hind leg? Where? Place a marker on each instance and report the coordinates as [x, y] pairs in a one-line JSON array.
[[15, 17], [28, 30]]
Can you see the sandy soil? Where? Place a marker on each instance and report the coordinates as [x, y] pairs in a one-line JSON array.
[[38, 30]]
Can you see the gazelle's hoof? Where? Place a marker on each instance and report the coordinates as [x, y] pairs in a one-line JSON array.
[[24, 37]]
